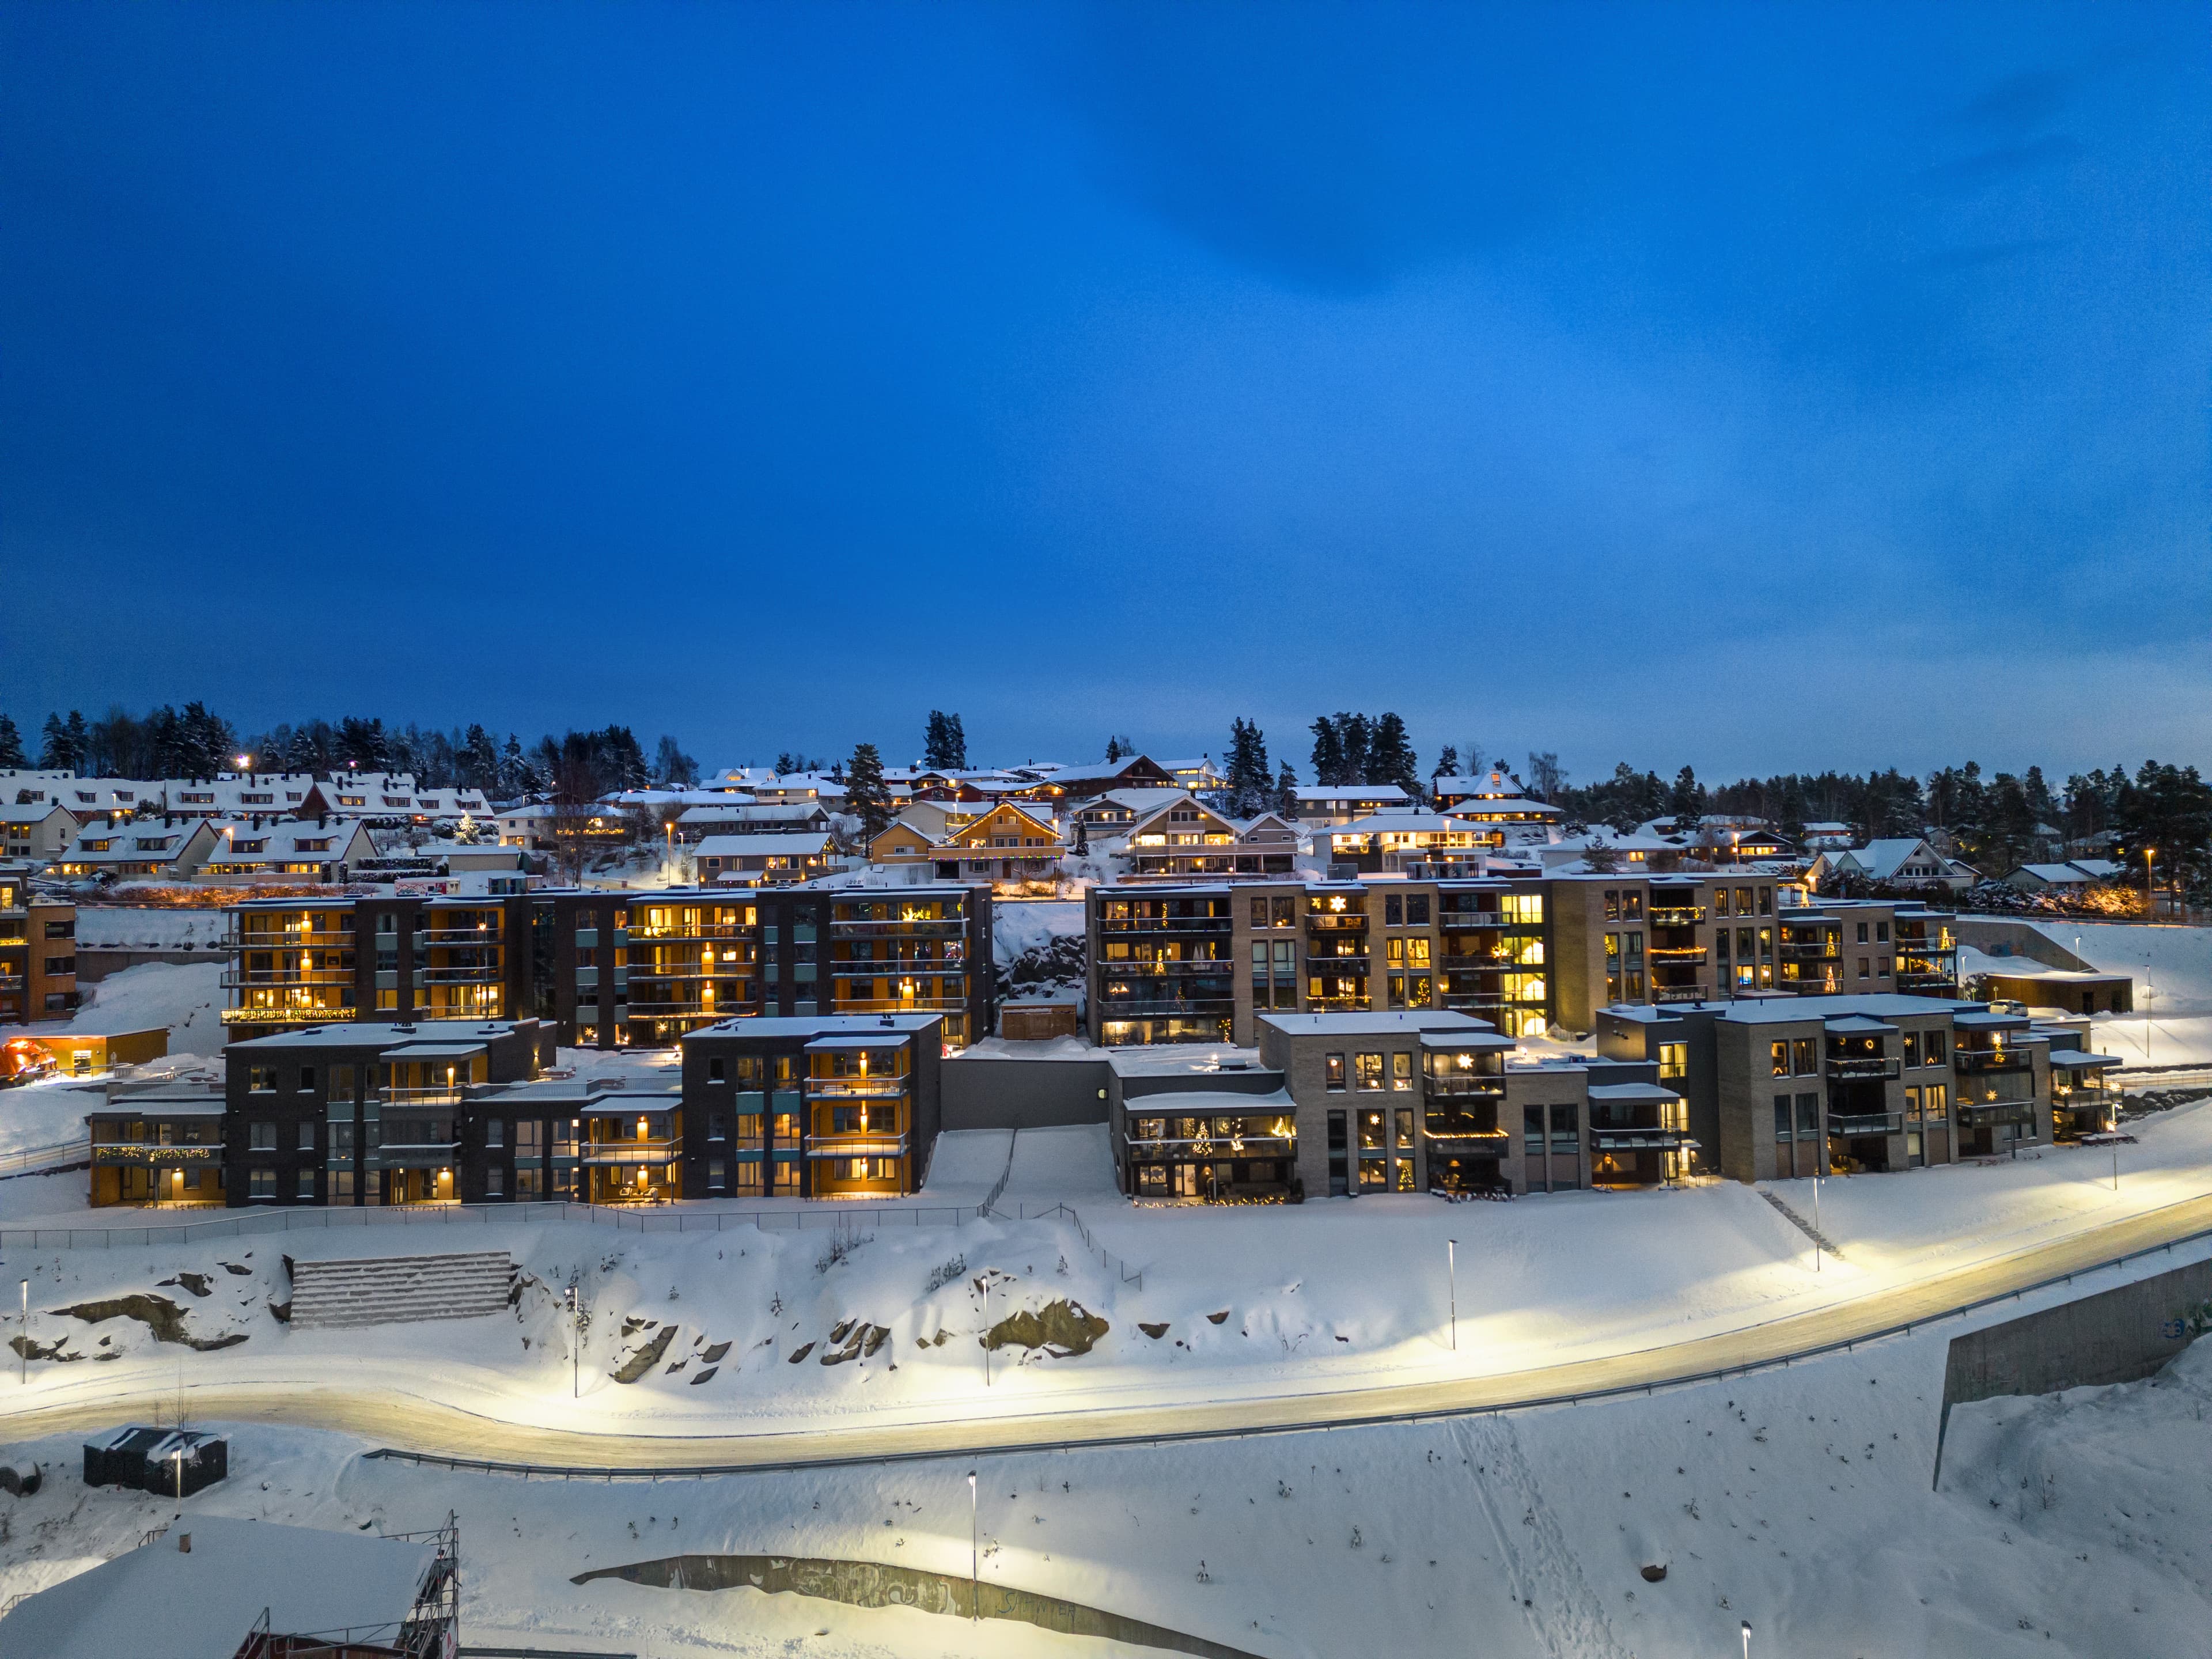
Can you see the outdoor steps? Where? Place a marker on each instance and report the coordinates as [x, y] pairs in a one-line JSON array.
[[388, 1289]]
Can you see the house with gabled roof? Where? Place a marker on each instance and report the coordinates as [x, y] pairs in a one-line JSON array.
[[1897, 860], [1184, 838], [1006, 841]]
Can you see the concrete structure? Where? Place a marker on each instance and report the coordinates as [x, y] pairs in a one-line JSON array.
[[999, 1091]]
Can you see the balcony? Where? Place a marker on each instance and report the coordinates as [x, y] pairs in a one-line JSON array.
[[1454, 918], [1810, 951], [1466, 1085], [1985, 1114], [152, 1152], [485, 974], [442, 938], [291, 1015], [1641, 1138], [1677, 915], [1866, 1123], [419, 1154], [929, 928], [1350, 921], [1973, 1060], [1676, 955], [1864, 1066], [1678, 994], [240, 979], [1260, 1145], [1160, 924], [689, 1009], [856, 1088], [1945, 980], [1138, 968], [439, 1095], [856, 1146], [621, 1154], [305, 939], [1220, 1007]]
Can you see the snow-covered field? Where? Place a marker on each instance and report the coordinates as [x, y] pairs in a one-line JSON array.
[[2172, 971], [186, 998], [124, 927], [1247, 1303], [1798, 1500]]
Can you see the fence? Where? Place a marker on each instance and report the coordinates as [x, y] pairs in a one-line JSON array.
[[1107, 1259], [40, 1160], [253, 1224]]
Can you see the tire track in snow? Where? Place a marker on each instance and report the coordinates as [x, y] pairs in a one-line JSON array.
[[1562, 1610]]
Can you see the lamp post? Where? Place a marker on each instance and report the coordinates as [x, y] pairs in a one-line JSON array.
[[974, 1554], [986, 1328], [575, 1339], [23, 1338], [2150, 903], [1746, 1639], [1451, 1269], [1816, 1231]]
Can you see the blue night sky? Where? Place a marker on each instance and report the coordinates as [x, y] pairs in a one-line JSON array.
[[1760, 388]]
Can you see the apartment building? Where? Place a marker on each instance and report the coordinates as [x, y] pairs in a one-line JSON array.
[[158, 1146], [38, 950], [368, 1115], [757, 861], [1783, 1086], [1349, 1104], [1198, 962], [1182, 839], [297, 962], [822, 1106]]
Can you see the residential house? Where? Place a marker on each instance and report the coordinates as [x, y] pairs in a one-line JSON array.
[[1903, 861], [1008, 844], [390, 797], [1319, 804], [289, 850], [41, 832], [1082, 783], [2073, 878], [763, 860], [158, 1145], [1429, 844], [238, 795], [1181, 840], [164, 849]]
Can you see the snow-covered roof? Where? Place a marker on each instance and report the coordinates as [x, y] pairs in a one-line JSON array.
[[162, 1602], [1505, 807], [1376, 1022], [1351, 792], [773, 845]]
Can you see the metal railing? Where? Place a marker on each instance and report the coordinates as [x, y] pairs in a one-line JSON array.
[[1107, 1259], [1863, 1066], [638, 1218], [38, 1160], [1866, 1123]]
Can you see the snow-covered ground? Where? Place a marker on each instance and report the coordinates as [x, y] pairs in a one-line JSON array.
[[1797, 1499], [184, 998], [1247, 1303], [127, 927], [1020, 925], [2172, 967]]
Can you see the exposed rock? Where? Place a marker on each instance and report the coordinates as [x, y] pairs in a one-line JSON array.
[[198, 1284], [1062, 1328], [1654, 1573], [646, 1357], [702, 1377], [1215, 1319], [713, 1355], [800, 1353], [1156, 1332], [233, 1268], [158, 1314]]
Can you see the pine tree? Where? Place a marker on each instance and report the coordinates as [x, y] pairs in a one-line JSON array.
[[11, 743], [517, 776], [54, 756], [1448, 762], [1286, 792], [1686, 800], [1119, 748], [1355, 733], [1390, 757], [865, 797], [944, 746], [1249, 781], [1327, 752]]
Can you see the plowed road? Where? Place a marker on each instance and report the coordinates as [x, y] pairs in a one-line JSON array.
[[417, 1424]]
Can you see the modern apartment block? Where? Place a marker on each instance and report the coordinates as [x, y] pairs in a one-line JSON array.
[[161, 1147], [1782, 1086], [610, 969], [818, 1106], [370, 1114], [38, 950], [1345, 1104], [1198, 963]]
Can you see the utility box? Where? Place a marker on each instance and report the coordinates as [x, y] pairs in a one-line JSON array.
[[167, 1462]]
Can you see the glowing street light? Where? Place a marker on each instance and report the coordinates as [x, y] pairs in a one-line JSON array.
[[1746, 1639]]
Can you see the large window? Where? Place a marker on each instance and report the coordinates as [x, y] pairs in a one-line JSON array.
[[1368, 1068]]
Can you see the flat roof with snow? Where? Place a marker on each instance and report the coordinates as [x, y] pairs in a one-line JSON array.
[[882, 1039], [819, 1025], [358, 1035], [1384, 1024], [161, 1602]]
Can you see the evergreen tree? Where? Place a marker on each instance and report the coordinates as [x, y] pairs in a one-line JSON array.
[[1327, 752], [1448, 762], [11, 745], [671, 768], [1390, 757], [1354, 732], [478, 760], [1286, 792], [362, 745], [865, 797], [2039, 801], [1119, 748], [54, 757], [517, 776], [1249, 784], [1687, 799], [944, 746]]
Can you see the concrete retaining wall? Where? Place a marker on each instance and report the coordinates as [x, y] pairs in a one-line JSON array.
[[2119, 1335], [1996, 937], [1023, 1094], [92, 965]]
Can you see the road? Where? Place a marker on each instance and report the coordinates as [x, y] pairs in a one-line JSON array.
[[415, 1422]]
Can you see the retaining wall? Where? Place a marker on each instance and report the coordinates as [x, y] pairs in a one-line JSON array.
[[1023, 1094]]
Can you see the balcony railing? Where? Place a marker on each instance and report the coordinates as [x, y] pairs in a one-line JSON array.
[[1264, 1145], [1641, 1139], [1677, 915], [304, 939], [1810, 951], [688, 1009], [436, 1095], [489, 974], [1982, 1114], [1141, 967], [442, 938], [1864, 1066], [152, 1152], [608, 1154], [856, 1088], [290, 1016], [1866, 1123], [1164, 925], [1350, 921], [1678, 994], [856, 1146], [1678, 955], [236, 979], [1471, 1083], [1991, 1060], [921, 927], [1209, 1007], [1926, 982], [1475, 1140]]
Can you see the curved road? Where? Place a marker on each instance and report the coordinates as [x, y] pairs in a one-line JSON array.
[[417, 1424]]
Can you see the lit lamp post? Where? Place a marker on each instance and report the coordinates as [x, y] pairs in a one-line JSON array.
[[1451, 1269], [23, 1338], [576, 1337], [1746, 1639], [974, 1554], [2150, 903]]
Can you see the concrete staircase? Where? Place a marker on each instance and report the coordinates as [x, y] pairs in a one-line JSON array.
[[391, 1290]]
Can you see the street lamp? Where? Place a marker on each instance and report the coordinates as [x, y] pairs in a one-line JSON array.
[[1451, 1267], [1746, 1639], [23, 1340], [974, 1555], [576, 1337], [2150, 904]]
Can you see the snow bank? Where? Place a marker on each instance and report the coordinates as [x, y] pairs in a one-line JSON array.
[[967, 1164], [1071, 1164], [2176, 963], [187, 998]]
